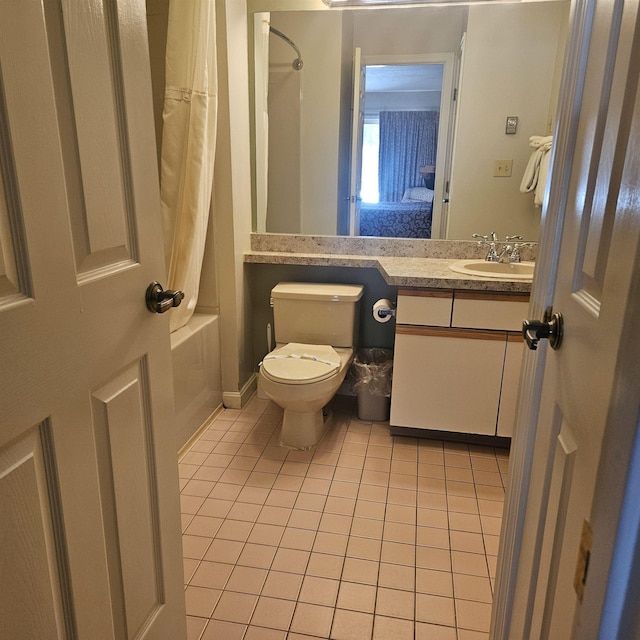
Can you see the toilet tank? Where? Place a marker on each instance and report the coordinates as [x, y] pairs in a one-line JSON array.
[[315, 313]]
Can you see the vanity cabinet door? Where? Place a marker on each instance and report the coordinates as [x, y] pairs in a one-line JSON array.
[[510, 383], [447, 380]]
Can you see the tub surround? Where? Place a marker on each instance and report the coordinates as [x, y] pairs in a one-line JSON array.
[[405, 263], [197, 382]]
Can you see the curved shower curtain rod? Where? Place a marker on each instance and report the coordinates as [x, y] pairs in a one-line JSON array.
[[297, 63]]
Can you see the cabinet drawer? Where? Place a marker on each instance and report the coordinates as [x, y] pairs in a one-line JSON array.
[[431, 308], [502, 312]]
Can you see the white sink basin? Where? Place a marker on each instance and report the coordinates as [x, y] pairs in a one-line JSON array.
[[506, 271]]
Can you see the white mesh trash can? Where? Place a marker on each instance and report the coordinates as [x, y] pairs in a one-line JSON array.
[[371, 373]]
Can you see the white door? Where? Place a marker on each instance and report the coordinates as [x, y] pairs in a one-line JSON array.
[[89, 525], [562, 511]]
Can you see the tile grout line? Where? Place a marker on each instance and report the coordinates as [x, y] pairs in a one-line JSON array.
[[344, 429]]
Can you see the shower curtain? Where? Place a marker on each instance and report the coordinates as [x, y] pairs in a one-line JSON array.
[[261, 49], [188, 146]]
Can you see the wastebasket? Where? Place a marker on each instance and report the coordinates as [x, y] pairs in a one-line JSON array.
[[371, 372]]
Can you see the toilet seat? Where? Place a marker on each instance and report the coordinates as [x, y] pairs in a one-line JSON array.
[[297, 363]]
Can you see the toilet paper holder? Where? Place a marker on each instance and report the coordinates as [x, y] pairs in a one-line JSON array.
[[383, 310]]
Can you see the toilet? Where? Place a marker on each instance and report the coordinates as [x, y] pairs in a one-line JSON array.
[[316, 330]]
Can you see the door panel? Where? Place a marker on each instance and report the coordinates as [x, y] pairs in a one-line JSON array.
[[124, 436], [87, 458], [95, 79], [14, 273], [597, 261], [559, 478], [30, 507]]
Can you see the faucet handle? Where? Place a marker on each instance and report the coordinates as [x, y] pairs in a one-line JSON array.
[[492, 255], [515, 253], [510, 238]]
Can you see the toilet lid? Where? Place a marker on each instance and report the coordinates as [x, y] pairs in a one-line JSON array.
[[297, 363]]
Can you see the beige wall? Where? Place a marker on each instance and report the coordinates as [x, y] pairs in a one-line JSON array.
[[510, 55], [426, 30], [232, 202]]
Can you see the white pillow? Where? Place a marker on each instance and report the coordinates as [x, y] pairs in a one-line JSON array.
[[418, 194]]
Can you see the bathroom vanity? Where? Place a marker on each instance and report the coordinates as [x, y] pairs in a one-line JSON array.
[[457, 337], [457, 360]]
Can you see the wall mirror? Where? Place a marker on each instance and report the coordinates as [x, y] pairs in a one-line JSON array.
[[393, 122]]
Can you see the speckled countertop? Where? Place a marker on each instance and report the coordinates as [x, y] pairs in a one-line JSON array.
[[402, 263]]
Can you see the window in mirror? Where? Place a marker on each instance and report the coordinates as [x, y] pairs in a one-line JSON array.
[[369, 191]]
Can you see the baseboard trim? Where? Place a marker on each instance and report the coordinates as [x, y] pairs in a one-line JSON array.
[[237, 399], [201, 429]]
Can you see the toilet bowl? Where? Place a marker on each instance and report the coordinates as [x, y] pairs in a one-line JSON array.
[[316, 328], [302, 379]]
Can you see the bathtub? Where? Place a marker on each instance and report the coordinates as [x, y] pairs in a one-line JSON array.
[[197, 381]]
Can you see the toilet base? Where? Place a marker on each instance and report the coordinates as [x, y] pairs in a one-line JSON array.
[[303, 430]]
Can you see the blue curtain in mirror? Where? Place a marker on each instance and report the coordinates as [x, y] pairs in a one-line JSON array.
[[408, 140]]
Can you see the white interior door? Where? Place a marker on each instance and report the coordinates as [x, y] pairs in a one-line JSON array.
[[458, 75], [89, 531], [595, 235]]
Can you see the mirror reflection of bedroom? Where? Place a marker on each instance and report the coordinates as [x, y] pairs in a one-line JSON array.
[[399, 142], [365, 70]]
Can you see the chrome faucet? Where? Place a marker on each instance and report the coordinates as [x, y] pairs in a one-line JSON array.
[[505, 253], [492, 255]]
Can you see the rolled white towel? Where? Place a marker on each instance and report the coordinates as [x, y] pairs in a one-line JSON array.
[[531, 178], [542, 178], [541, 141]]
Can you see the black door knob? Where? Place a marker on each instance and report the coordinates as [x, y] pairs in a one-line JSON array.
[[550, 328], [158, 300]]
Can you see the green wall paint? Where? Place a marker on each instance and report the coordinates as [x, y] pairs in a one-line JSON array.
[[263, 277]]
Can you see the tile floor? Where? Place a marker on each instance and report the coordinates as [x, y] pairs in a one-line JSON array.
[[367, 536]]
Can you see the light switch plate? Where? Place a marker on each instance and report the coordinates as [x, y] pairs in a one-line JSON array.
[[502, 168]]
